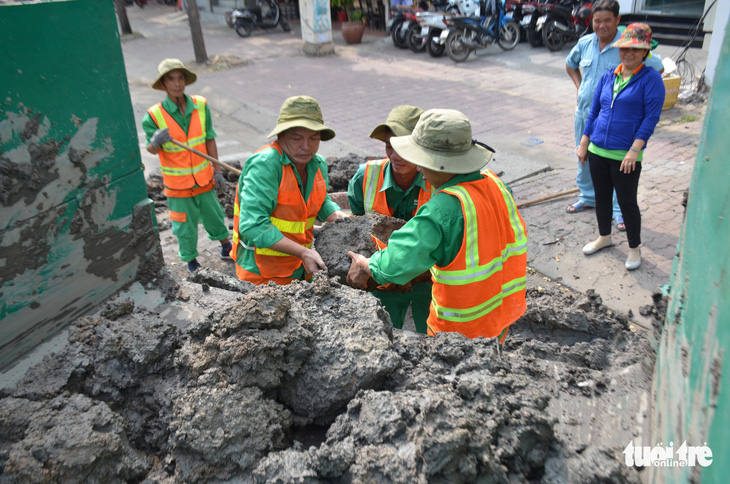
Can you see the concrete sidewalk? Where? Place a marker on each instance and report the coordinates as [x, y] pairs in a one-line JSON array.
[[520, 102]]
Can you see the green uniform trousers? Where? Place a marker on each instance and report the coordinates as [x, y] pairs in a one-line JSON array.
[[396, 303], [205, 208]]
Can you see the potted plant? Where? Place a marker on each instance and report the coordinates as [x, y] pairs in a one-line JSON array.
[[353, 29]]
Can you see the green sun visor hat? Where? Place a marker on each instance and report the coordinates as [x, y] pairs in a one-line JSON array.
[[302, 112], [168, 65], [400, 122], [442, 142]]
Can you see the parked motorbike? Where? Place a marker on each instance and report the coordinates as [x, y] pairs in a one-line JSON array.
[[568, 20], [400, 20], [425, 33], [467, 34], [531, 16], [265, 15]]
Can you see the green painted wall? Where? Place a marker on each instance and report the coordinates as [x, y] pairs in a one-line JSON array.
[[692, 380], [75, 221]]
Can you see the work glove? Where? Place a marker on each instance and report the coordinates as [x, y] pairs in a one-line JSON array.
[[220, 183], [160, 137]]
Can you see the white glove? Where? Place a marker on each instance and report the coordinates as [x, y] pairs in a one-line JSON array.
[[160, 137]]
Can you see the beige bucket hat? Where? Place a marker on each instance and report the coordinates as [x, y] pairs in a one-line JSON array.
[[168, 65], [302, 112], [441, 141], [401, 121]]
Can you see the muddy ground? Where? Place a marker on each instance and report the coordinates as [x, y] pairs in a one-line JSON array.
[[218, 380], [226, 381]]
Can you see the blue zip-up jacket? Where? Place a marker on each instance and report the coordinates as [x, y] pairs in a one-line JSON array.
[[615, 124]]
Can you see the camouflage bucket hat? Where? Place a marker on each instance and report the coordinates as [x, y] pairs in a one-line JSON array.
[[635, 36], [169, 65], [302, 112], [401, 121], [441, 141]]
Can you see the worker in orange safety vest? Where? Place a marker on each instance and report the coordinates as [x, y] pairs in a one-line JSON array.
[[281, 192], [392, 186], [470, 234], [188, 178]]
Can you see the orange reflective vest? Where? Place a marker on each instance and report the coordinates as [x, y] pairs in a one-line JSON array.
[[482, 291], [184, 173], [293, 216], [374, 199]]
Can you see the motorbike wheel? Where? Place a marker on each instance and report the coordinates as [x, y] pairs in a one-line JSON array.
[[434, 48], [284, 24], [455, 48], [414, 40], [509, 35], [399, 35], [243, 27], [552, 36]]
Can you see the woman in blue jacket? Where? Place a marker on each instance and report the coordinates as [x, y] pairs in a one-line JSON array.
[[626, 108]]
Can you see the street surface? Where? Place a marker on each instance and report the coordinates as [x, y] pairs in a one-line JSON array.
[[520, 102]]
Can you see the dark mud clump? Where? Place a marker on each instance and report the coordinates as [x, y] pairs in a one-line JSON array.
[[333, 240], [341, 170], [310, 383]]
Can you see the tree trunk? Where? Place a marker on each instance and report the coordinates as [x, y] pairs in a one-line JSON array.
[[122, 16], [197, 32]]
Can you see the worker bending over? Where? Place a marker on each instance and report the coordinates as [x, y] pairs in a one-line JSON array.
[[282, 190], [470, 234], [392, 186], [189, 179]]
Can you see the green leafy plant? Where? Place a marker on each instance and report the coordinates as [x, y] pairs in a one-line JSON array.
[[356, 16], [347, 6]]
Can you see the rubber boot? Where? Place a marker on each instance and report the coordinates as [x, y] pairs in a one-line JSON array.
[[601, 242]]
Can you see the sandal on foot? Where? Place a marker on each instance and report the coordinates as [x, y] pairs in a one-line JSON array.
[[576, 207], [620, 225]]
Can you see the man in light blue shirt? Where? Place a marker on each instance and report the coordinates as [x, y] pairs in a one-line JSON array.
[[591, 57]]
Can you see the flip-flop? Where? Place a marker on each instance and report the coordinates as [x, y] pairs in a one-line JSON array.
[[620, 225], [576, 207]]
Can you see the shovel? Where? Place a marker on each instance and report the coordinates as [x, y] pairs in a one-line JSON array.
[[207, 157], [549, 197]]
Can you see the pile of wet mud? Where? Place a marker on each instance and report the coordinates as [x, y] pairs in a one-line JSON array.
[[333, 240], [341, 170], [310, 383]]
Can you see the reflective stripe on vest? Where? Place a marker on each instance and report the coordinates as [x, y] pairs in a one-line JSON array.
[[374, 199], [181, 169], [471, 295]]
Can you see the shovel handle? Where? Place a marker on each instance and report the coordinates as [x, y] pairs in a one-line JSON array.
[[549, 197], [207, 157]]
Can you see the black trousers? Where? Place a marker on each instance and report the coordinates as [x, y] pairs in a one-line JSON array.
[[607, 177]]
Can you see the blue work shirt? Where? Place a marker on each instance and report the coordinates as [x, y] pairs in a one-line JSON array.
[[594, 63]]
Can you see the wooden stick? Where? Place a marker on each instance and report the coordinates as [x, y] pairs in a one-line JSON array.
[[207, 157], [549, 197]]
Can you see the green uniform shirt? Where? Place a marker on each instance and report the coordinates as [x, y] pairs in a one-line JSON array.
[[433, 237], [149, 125], [402, 202], [258, 191]]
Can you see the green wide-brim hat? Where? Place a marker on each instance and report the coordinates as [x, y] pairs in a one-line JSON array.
[[401, 121], [302, 112], [441, 141], [169, 65]]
